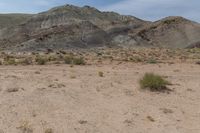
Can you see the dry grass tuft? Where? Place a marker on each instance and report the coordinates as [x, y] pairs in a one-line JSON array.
[[154, 82]]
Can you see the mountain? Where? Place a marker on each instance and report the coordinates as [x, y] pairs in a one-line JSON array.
[[72, 27], [8, 20]]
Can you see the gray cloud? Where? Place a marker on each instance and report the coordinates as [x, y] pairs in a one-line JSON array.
[[157, 9]]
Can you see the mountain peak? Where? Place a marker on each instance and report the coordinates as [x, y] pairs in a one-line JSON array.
[[88, 7], [173, 20], [68, 8], [63, 8]]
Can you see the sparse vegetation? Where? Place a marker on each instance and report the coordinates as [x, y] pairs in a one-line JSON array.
[[25, 61], [72, 77], [151, 56], [11, 61], [12, 90], [82, 122], [166, 111], [150, 118], [170, 21], [49, 130], [101, 74], [74, 60], [52, 58], [68, 59], [152, 61], [135, 59], [25, 128], [79, 61], [41, 60], [198, 62], [154, 82]]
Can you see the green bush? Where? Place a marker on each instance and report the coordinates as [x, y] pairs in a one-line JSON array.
[[153, 82]]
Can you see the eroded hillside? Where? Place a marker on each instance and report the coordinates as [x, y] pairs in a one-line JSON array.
[[72, 27]]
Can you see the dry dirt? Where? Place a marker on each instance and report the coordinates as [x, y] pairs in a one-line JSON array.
[[64, 99]]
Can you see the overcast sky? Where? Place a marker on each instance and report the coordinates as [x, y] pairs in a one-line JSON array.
[[144, 9]]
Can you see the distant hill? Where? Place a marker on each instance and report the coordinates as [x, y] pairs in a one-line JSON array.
[[72, 27]]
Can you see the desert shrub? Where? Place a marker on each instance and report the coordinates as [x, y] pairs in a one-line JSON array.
[[79, 61], [169, 21], [152, 61], [63, 52], [135, 59], [41, 60], [25, 128], [100, 74], [68, 59], [49, 130], [74, 60], [72, 77], [25, 61], [99, 54], [10, 61], [153, 82], [198, 62], [52, 58]]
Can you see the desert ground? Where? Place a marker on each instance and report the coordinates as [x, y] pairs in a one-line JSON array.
[[60, 98]]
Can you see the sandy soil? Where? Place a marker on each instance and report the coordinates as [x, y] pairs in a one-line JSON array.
[[64, 99]]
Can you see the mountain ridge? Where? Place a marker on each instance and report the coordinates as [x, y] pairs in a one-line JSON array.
[[73, 27]]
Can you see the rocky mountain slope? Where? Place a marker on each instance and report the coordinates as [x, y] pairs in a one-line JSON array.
[[8, 20], [71, 27], [172, 32]]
